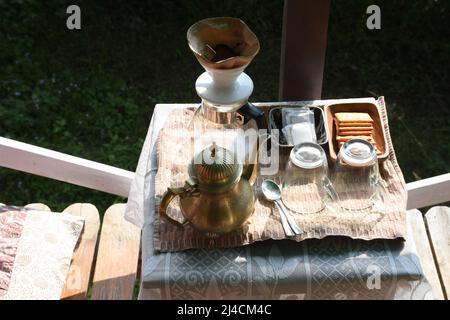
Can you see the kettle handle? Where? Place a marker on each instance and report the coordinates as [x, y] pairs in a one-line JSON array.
[[167, 197]]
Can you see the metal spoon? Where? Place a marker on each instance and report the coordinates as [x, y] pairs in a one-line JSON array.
[[272, 192]]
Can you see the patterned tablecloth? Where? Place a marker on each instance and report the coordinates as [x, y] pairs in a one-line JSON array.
[[332, 268], [36, 249]]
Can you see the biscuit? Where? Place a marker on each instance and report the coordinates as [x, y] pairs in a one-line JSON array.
[[340, 129], [366, 125], [355, 133], [353, 117], [355, 125], [346, 138]]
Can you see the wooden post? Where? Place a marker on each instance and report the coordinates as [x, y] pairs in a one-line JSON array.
[[304, 41]]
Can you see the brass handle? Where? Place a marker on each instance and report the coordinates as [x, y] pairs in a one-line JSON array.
[[168, 196]]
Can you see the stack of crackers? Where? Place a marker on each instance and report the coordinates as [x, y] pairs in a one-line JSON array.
[[354, 125]]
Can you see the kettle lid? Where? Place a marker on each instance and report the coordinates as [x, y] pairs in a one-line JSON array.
[[215, 168]]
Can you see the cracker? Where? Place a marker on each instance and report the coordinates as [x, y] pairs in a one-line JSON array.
[[353, 117], [340, 129], [354, 124], [355, 133], [346, 138]]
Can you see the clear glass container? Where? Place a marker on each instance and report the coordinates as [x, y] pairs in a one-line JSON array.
[[226, 130], [305, 180], [356, 176]]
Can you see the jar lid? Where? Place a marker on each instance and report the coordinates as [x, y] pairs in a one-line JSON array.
[[215, 168], [308, 155], [358, 153]]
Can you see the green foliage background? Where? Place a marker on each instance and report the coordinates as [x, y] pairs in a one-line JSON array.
[[91, 93]]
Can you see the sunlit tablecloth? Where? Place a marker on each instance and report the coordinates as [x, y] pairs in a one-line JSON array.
[[36, 249], [333, 268]]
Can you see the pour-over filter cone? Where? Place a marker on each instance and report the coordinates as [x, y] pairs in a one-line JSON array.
[[223, 43]]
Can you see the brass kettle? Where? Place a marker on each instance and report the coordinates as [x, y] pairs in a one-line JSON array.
[[216, 199]]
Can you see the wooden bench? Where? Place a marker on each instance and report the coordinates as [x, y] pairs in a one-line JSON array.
[[106, 264]]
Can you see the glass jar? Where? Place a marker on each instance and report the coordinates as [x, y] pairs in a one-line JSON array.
[[356, 175], [305, 180]]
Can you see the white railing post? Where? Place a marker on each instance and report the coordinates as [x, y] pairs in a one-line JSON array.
[[59, 166], [428, 192]]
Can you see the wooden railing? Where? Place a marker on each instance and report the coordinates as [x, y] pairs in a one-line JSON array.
[[59, 166], [63, 167]]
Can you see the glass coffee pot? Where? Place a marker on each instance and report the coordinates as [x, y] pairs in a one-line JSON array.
[[225, 47]]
